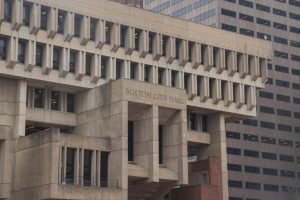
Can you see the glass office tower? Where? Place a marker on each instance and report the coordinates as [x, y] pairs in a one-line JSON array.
[[263, 152]]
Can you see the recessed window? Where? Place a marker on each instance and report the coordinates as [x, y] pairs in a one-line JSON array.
[[174, 78], [93, 29], [246, 3], [282, 83], [251, 153], [108, 32], [88, 63], [73, 58], [282, 69], [283, 98], [137, 38], [161, 76], [296, 86], [265, 109], [26, 13], [250, 138], [7, 10], [253, 186], [295, 58], [87, 168], [55, 100], [270, 156], [266, 95], [246, 32], [123, 33], [134, 70], [235, 184], [286, 158], [44, 17], [104, 67], [262, 8], [38, 98], [233, 151], [151, 41], [77, 25], [70, 166], [268, 140], [295, 44], [285, 143], [61, 21], [263, 22], [296, 72], [280, 40], [234, 167], [279, 12], [294, 16], [56, 57], [21, 51], [270, 187], [285, 113], [229, 13], [269, 171], [245, 17], [147, 73], [104, 169], [70, 102], [268, 125], [228, 27], [250, 122], [284, 127], [233, 135], [264, 36], [3, 43], [252, 169], [39, 54]]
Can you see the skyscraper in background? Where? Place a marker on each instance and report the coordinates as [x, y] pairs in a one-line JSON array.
[[136, 3], [263, 152]]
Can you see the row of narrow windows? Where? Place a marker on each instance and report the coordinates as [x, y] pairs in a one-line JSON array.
[[111, 31]]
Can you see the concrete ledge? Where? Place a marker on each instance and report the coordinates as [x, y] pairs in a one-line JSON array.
[[51, 117], [166, 174], [137, 171], [198, 137]]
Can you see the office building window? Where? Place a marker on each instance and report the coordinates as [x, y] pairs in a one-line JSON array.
[[44, 17], [119, 68], [262, 8], [282, 83], [234, 167], [251, 153], [161, 76], [269, 171], [93, 28], [55, 100], [174, 78], [228, 27], [296, 72], [287, 173], [268, 140], [246, 3], [268, 125], [284, 127], [21, 51], [245, 17], [285, 113], [61, 21], [296, 115], [87, 168], [252, 169], [88, 63], [286, 143], [164, 45], [246, 32], [294, 30], [104, 66], [130, 140], [26, 13], [263, 36], [39, 54], [250, 138], [147, 73], [286, 158], [137, 38], [151, 41], [70, 166], [270, 187], [296, 100], [233, 135], [294, 16], [7, 10], [108, 32], [282, 69], [235, 184], [263, 22], [296, 86], [279, 26], [283, 98], [279, 12], [3, 51], [77, 25], [294, 3], [266, 95], [233, 151], [73, 57], [253, 186], [250, 122], [265, 109], [229, 13], [295, 58], [295, 43], [70, 102], [270, 156], [280, 54], [297, 145], [280, 40], [123, 33], [297, 129], [56, 57], [38, 98], [104, 169], [133, 70]]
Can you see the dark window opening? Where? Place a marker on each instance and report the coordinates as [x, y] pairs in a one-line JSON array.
[[26, 13], [133, 70], [3, 51], [88, 64], [130, 140], [104, 64], [77, 25], [147, 72], [39, 54], [104, 169], [73, 56], [70, 166], [87, 168], [7, 10], [56, 57], [21, 51], [54, 101], [38, 98], [61, 21], [70, 102], [119, 66], [160, 132], [44, 17], [137, 38], [93, 29], [123, 33], [108, 32]]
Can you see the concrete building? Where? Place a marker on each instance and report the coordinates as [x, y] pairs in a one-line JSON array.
[[263, 152], [99, 100], [136, 3]]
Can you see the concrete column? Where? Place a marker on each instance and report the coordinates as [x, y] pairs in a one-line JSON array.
[[30, 55], [48, 59], [20, 112], [100, 34], [65, 62], [218, 148], [12, 52], [52, 22], [96, 68], [85, 30], [17, 14], [35, 18], [69, 26], [129, 42], [175, 146], [196, 55]]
